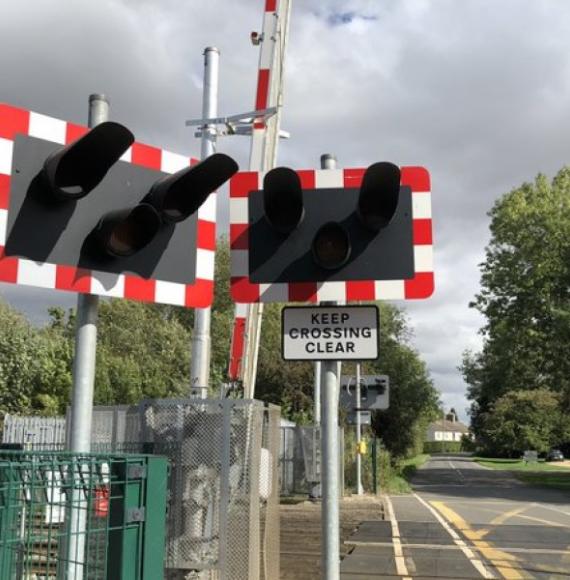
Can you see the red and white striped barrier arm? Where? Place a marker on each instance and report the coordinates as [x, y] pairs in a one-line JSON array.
[[263, 98]]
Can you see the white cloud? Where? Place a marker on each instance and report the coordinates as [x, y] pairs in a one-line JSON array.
[[477, 91]]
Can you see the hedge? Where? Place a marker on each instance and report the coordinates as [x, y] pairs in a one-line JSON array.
[[443, 446]]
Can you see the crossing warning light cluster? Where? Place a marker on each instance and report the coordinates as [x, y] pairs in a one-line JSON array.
[[333, 241], [301, 228], [81, 205]]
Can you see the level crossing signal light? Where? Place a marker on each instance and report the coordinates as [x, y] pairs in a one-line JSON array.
[[374, 392], [337, 230], [380, 384], [354, 234], [83, 206]]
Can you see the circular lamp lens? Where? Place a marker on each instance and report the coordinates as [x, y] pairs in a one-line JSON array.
[[134, 232], [331, 246]]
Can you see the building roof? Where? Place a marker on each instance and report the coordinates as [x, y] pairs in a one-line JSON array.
[[451, 426]]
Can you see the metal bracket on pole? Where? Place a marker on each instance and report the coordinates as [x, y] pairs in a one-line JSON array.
[[240, 124]]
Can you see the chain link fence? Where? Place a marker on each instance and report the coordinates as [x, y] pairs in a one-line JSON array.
[[34, 432], [223, 516], [300, 460]]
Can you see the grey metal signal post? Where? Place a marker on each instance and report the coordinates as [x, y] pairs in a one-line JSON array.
[[82, 389], [329, 397], [330, 471], [359, 489], [85, 334], [201, 341]]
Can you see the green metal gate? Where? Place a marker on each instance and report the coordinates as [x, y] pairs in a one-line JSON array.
[[66, 516]]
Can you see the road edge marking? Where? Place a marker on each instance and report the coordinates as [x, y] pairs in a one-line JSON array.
[[401, 567], [476, 562]]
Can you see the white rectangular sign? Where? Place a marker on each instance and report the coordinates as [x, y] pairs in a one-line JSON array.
[[330, 333]]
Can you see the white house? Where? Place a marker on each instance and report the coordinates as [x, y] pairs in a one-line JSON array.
[[448, 429]]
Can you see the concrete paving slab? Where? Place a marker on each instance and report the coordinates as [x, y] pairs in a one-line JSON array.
[[410, 532], [380, 531], [373, 561], [439, 563], [407, 507], [424, 533]]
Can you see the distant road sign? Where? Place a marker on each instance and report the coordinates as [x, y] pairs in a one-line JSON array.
[[374, 392], [530, 456], [365, 418], [330, 333]]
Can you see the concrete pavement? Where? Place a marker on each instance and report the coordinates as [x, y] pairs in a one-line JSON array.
[[465, 521]]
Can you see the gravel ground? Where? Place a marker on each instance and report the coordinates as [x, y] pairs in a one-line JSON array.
[[301, 533]]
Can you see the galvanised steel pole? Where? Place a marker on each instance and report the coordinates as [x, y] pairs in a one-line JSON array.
[[82, 393], [330, 558], [317, 394], [328, 161], [359, 490], [330, 387], [201, 342], [85, 335]]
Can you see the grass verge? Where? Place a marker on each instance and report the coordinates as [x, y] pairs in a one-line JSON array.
[[397, 480], [292, 499], [554, 479], [541, 473], [518, 465]]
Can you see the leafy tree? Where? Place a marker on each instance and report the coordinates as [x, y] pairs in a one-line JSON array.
[[18, 343], [285, 383], [413, 398], [521, 420], [54, 357], [141, 353], [525, 297]]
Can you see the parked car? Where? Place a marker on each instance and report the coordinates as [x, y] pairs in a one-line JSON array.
[[555, 455]]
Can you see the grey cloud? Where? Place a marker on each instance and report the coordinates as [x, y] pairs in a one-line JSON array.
[[34, 302], [477, 91]]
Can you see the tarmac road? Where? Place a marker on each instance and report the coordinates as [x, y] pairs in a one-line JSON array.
[[465, 521]]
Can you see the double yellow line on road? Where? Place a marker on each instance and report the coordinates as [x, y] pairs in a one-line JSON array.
[[506, 564]]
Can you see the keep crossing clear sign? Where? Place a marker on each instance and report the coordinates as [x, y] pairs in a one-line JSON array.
[[330, 333]]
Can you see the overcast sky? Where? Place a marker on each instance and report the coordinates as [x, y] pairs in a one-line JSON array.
[[477, 91]]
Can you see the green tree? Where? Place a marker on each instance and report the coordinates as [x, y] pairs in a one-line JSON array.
[[413, 397], [285, 383], [140, 353], [525, 297], [54, 357], [521, 420], [18, 348]]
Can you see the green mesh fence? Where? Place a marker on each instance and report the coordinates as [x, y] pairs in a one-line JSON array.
[[81, 516]]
